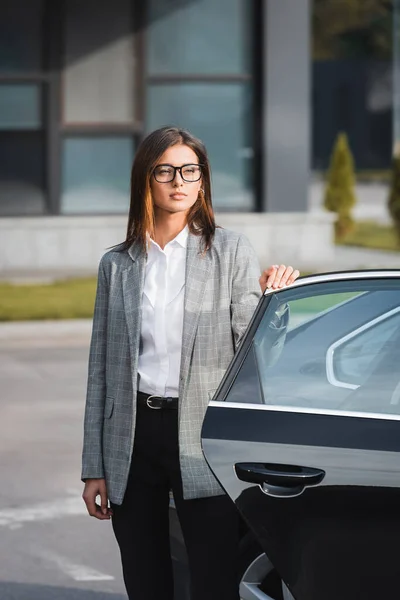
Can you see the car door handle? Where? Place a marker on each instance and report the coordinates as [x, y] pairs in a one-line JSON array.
[[280, 481]]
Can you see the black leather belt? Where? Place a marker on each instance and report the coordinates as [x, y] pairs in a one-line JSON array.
[[156, 402]]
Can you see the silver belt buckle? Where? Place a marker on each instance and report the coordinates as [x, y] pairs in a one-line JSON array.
[[153, 407]]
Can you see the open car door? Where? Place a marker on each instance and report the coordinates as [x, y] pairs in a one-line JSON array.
[[304, 434]]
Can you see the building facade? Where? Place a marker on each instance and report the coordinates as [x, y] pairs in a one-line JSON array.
[[81, 83]]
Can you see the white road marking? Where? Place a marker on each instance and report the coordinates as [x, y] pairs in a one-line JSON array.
[[73, 570], [59, 508]]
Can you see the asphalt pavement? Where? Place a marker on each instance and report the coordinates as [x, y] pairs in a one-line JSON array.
[[49, 547]]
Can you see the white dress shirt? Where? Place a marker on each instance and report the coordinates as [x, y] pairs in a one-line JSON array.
[[162, 317]]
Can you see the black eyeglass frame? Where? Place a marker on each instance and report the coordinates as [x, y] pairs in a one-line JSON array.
[[180, 172]]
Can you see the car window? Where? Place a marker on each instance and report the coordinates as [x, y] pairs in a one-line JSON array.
[[350, 359], [328, 346], [246, 388], [306, 309]]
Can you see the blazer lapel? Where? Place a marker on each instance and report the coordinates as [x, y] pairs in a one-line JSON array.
[[198, 266], [132, 286]]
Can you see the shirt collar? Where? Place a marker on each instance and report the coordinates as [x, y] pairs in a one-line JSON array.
[[180, 239]]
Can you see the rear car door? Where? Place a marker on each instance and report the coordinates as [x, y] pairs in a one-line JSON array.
[[304, 434]]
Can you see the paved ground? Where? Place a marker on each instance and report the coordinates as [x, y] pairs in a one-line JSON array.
[[49, 548]]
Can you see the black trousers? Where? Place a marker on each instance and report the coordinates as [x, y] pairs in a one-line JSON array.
[[210, 526]]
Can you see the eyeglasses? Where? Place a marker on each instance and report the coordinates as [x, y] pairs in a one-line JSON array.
[[167, 173]]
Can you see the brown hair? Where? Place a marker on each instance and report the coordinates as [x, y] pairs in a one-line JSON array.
[[141, 212]]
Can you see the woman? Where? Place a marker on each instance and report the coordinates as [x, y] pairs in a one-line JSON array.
[[172, 304]]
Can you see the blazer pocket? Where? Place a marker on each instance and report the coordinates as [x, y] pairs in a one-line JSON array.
[[109, 407]]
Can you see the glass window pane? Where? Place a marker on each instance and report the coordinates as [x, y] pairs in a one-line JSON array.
[[305, 309], [246, 388], [20, 106], [99, 63], [220, 115], [342, 353], [21, 42], [22, 173], [205, 36], [96, 174]]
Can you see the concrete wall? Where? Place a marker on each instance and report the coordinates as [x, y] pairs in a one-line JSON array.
[[303, 240], [62, 246]]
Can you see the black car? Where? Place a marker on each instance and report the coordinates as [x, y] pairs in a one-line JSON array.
[[303, 433]]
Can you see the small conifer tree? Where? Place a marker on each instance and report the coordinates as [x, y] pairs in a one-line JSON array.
[[339, 194], [394, 195]]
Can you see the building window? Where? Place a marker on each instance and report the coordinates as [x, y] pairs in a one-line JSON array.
[[20, 106], [99, 117], [21, 34], [218, 113], [80, 87], [99, 73], [96, 174], [209, 37], [203, 82], [22, 129], [22, 181]]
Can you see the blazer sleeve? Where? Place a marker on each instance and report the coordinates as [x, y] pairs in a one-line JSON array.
[[92, 456], [246, 290]]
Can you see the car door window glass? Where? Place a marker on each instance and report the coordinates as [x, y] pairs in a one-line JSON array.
[[305, 309], [246, 388], [356, 322]]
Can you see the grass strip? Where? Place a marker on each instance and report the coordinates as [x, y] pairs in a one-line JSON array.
[[368, 234], [69, 299]]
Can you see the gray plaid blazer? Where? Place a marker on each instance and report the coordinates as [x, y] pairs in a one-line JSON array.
[[221, 293]]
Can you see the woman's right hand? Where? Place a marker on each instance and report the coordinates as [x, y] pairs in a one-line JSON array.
[[93, 488]]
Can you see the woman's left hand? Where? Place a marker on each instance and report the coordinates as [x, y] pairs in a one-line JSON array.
[[277, 276]]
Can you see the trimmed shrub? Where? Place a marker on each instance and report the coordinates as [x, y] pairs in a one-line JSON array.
[[394, 195], [339, 193]]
